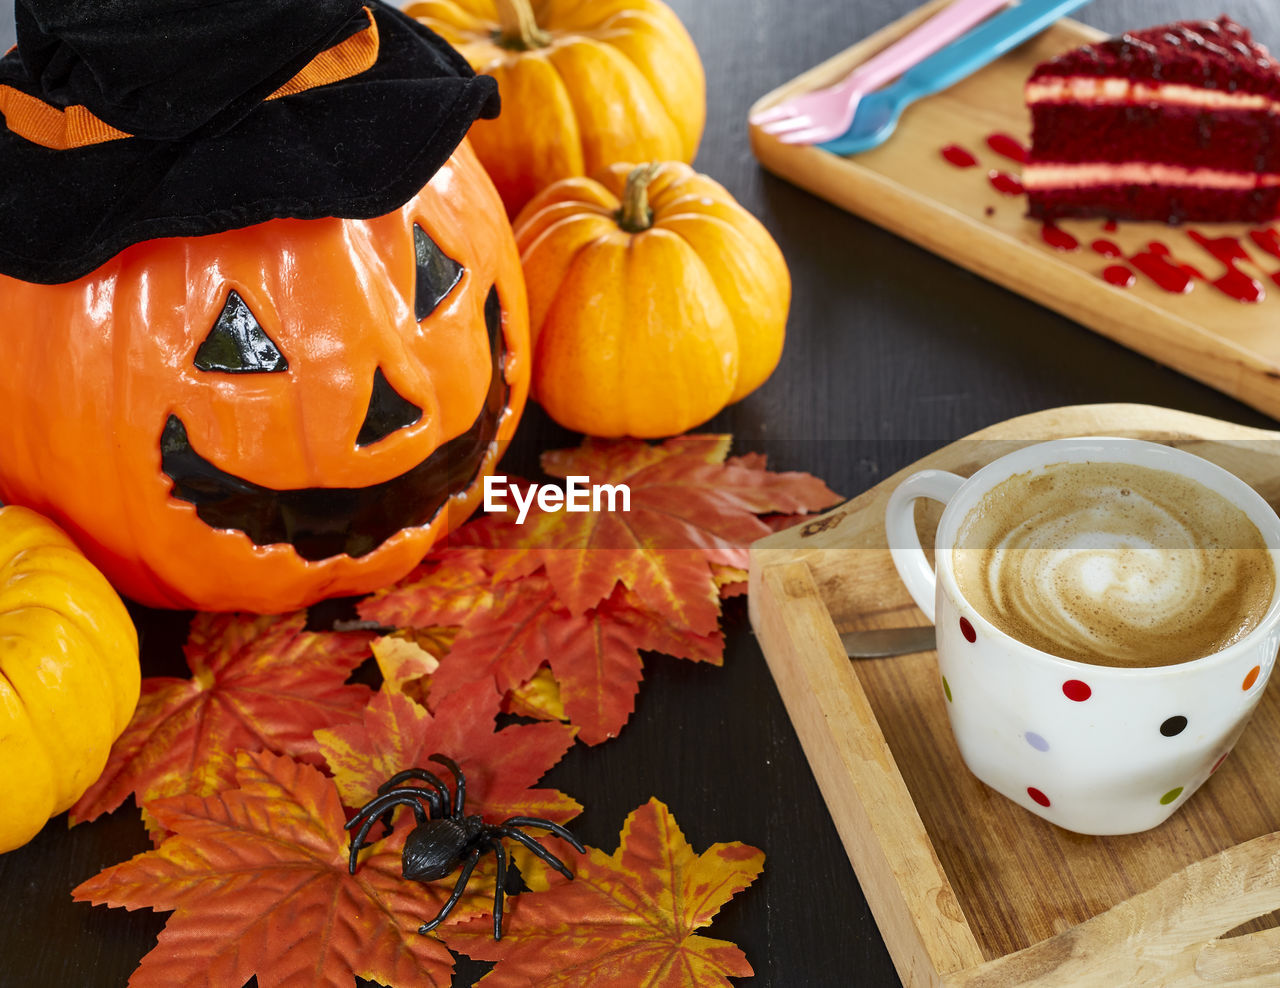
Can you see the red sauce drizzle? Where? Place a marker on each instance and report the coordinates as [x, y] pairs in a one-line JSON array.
[[1004, 183], [1235, 283], [1228, 250], [958, 156], [1155, 265], [1239, 286], [1009, 146], [1267, 240], [1156, 261], [1119, 275], [1058, 238], [1162, 251]]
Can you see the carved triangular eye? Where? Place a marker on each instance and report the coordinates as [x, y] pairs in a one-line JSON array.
[[238, 344], [388, 411], [437, 273]]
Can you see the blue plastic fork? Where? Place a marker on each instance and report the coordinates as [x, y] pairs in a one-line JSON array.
[[879, 111]]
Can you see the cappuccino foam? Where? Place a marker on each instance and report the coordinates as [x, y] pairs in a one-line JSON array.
[[1114, 564]]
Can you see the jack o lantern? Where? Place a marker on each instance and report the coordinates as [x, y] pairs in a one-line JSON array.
[[278, 411], [263, 417]]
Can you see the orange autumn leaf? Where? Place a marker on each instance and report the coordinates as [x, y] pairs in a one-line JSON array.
[[256, 683], [441, 592], [595, 657], [406, 657], [538, 698], [689, 507], [691, 496], [730, 581], [626, 919], [501, 767], [752, 461], [507, 631], [257, 880]]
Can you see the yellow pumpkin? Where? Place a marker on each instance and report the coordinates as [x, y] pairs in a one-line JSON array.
[[654, 300], [584, 83], [69, 674]]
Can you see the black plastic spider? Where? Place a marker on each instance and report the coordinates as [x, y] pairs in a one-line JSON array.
[[448, 838]]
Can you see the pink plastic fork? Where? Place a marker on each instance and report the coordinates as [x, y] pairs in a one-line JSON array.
[[825, 114]]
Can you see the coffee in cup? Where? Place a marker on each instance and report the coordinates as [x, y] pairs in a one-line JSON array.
[[1124, 543], [1114, 564]]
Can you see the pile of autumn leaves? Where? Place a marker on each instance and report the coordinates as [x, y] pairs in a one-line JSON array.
[[247, 771]]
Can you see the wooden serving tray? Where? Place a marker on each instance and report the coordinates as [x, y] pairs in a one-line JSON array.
[[968, 888], [907, 187]]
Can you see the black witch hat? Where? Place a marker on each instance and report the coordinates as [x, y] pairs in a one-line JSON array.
[[127, 120]]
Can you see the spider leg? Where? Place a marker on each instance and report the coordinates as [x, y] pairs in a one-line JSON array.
[[438, 796], [535, 847], [460, 782], [391, 799], [369, 813], [537, 821], [384, 804], [362, 817], [447, 908], [434, 796], [499, 889]]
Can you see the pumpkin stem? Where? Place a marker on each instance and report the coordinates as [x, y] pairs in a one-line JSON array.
[[635, 216], [519, 30]]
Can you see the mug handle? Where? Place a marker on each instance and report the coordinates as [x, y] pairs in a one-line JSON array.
[[904, 540]]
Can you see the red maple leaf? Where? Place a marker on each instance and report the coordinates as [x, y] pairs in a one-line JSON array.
[[595, 657], [626, 919], [257, 879], [442, 591], [256, 683], [501, 767], [689, 507]]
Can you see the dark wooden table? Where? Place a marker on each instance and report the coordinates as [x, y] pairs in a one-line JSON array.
[[891, 352]]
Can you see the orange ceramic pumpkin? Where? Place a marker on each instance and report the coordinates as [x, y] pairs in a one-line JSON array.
[[264, 417], [654, 300], [584, 83]]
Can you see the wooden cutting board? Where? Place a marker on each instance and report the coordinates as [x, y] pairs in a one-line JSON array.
[[968, 888], [906, 186]]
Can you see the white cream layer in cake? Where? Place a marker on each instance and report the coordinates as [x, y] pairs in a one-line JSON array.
[[1055, 175], [1112, 89]]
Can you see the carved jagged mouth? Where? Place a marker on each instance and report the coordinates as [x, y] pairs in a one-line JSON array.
[[321, 522]]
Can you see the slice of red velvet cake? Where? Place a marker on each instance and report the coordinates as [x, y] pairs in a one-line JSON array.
[[1173, 123]]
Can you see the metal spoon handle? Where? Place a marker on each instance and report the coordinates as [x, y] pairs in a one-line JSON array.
[[883, 642]]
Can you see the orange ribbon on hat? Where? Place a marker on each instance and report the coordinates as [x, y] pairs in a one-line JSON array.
[[76, 127]]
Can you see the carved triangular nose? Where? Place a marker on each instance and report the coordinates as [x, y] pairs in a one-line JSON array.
[[388, 411]]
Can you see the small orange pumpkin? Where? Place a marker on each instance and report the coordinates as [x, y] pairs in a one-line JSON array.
[[69, 676], [584, 83], [264, 417], [654, 300]]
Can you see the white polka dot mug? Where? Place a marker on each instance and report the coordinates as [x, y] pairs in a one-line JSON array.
[[1096, 749]]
